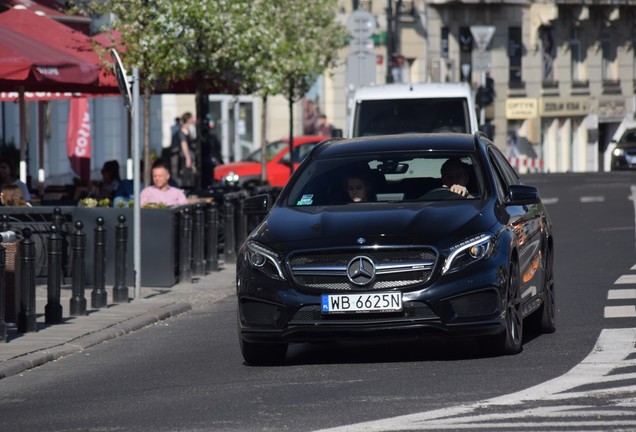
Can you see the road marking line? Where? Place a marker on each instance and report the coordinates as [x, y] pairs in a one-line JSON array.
[[633, 267], [621, 294], [592, 199], [612, 349], [549, 200], [626, 279], [620, 311]]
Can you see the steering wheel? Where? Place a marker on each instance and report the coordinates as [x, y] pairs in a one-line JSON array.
[[439, 193]]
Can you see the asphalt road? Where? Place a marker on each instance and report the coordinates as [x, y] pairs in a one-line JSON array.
[[187, 373]]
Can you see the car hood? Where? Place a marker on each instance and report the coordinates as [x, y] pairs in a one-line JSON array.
[[439, 224], [241, 168]]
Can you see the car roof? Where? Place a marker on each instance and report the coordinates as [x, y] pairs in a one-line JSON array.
[[303, 139], [398, 143], [413, 91]]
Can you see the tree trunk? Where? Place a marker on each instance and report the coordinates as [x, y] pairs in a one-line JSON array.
[[264, 141], [203, 132], [291, 126], [146, 157]]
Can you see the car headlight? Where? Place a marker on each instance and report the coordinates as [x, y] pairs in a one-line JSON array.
[[264, 260], [231, 178], [619, 152], [468, 252]]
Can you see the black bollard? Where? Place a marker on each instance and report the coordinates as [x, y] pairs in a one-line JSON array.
[[185, 247], [78, 245], [99, 296], [4, 223], [58, 219], [228, 248], [3, 325], [198, 241], [212, 257], [60, 222], [27, 316], [53, 308], [120, 290], [241, 221]]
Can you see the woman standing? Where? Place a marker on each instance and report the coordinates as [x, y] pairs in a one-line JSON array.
[[187, 144]]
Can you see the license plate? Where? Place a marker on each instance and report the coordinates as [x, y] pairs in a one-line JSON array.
[[358, 303]]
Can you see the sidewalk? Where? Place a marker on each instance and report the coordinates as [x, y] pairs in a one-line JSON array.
[[24, 351]]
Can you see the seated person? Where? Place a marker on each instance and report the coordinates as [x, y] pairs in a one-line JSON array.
[[125, 190], [12, 196], [161, 192], [358, 187], [455, 178]]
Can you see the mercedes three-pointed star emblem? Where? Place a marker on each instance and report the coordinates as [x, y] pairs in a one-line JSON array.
[[361, 270]]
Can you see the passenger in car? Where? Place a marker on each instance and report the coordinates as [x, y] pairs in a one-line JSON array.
[[358, 187], [455, 176]]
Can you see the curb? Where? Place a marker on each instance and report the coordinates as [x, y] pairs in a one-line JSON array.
[[34, 359]]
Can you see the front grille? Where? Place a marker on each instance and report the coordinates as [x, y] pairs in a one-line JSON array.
[[410, 310], [394, 268]]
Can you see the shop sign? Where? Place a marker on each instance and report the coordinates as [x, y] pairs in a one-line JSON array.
[[564, 107], [522, 108], [611, 109]]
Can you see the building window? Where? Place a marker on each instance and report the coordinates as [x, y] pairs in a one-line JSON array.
[[465, 54], [548, 53], [577, 62], [609, 57], [609, 71], [514, 55], [634, 63]]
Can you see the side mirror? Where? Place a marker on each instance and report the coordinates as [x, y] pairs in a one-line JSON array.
[[523, 195], [258, 205]]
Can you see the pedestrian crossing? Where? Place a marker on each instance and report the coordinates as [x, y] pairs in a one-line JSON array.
[[582, 199], [625, 297], [598, 394]]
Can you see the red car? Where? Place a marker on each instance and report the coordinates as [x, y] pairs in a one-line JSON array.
[[248, 171]]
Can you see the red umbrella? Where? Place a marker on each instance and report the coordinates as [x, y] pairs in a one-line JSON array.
[[79, 68], [26, 62], [38, 54]]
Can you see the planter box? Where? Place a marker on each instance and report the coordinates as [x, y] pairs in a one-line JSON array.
[[159, 244]]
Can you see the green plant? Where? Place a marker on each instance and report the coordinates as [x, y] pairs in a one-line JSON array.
[[92, 202], [155, 205]]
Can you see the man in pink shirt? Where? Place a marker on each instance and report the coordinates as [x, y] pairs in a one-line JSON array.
[[161, 191]]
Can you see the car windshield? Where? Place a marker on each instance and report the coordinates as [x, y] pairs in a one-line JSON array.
[[386, 178], [381, 117], [628, 137], [272, 150]]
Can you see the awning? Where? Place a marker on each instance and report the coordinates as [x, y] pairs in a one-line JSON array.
[[42, 55]]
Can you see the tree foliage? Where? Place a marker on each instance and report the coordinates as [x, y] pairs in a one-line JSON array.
[[266, 47]]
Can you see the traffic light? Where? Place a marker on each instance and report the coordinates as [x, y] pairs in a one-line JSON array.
[[486, 93], [484, 97]]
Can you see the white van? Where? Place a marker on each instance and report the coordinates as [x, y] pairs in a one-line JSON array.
[[406, 108]]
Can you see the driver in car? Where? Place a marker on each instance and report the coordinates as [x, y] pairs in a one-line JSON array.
[[455, 176]]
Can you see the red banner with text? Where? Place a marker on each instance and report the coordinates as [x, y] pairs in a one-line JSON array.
[[78, 138]]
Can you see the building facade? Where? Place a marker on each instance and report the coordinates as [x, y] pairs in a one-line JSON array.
[[563, 72], [563, 77]]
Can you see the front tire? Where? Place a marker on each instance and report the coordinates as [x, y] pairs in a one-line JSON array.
[[543, 320], [509, 342]]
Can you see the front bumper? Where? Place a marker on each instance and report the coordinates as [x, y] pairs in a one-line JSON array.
[[276, 311]]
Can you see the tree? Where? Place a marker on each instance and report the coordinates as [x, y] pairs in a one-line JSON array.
[[303, 39], [214, 42], [173, 41], [142, 44], [264, 46]]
